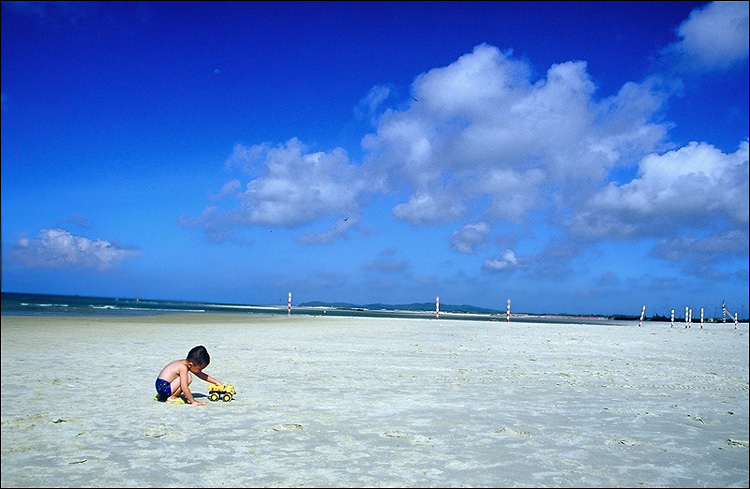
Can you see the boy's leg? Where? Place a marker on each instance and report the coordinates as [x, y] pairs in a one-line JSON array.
[[176, 389]]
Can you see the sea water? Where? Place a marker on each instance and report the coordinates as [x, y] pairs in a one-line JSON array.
[[76, 305]]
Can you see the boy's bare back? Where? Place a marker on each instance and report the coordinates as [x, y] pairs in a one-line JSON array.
[[173, 370]]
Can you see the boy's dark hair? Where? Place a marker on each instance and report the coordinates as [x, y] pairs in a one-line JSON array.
[[199, 356]]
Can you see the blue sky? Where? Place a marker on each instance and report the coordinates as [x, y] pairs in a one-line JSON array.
[[575, 157]]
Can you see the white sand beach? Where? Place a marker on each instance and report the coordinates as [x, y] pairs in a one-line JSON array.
[[353, 402]]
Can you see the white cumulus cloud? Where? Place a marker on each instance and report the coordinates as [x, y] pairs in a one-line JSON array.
[[713, 37], [293, 187], [370, 105], [485, 131], [507, 261], [695, 186], [57, 248], [470, 237], [484, 141]]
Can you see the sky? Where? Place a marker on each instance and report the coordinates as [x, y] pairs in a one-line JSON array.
[[573, 157]]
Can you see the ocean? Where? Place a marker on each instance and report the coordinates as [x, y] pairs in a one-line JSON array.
[[76, 305]]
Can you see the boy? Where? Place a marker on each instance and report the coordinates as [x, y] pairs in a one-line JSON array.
[[175, 378]]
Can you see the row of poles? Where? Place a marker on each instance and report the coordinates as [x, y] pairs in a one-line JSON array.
[[437, 307], [688, 313], [689, 316]]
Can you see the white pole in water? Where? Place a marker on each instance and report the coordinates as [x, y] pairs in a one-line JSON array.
[[289, 305], [686, 316], [643, 313], [672, 323], [690, 323], [507, 313], [701, 318], [437, 307]]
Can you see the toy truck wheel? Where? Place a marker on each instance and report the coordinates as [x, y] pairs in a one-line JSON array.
[[214, 396], [227, 397]]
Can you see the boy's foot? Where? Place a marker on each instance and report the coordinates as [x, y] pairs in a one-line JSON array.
[[175, 401]]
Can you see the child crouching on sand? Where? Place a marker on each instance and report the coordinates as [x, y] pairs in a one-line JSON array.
[[174, 379]]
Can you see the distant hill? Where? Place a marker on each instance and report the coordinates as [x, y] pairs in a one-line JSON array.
[[415, 306]]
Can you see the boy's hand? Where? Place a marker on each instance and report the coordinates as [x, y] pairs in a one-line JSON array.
[[198, 403]]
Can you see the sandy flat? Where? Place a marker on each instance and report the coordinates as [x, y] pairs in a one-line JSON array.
[[352, 402]]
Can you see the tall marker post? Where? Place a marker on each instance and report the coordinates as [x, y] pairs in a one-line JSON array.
[[289, 305], [437, 307], [701, 318], [724, 313], [507, 313], [643, 313], [686, 316], [672, 323]]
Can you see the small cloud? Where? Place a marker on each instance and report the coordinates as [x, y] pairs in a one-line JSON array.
[[714, 37], [369, 106], [469, 238], [57, 248], [229, 189], [508, 261], [326, 237], [386, 265], [248, 159], [429, 207], [217, 71], [217, 226], [385, 262]]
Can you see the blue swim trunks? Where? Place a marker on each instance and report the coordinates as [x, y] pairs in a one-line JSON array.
[[163, 389]]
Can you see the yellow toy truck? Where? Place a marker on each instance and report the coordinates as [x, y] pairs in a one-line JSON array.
[[225, 392]]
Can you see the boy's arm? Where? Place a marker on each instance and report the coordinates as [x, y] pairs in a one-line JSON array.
[[204, 376], [183, 371]]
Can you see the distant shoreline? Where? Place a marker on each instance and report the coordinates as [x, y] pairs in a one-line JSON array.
[[22, 304]]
